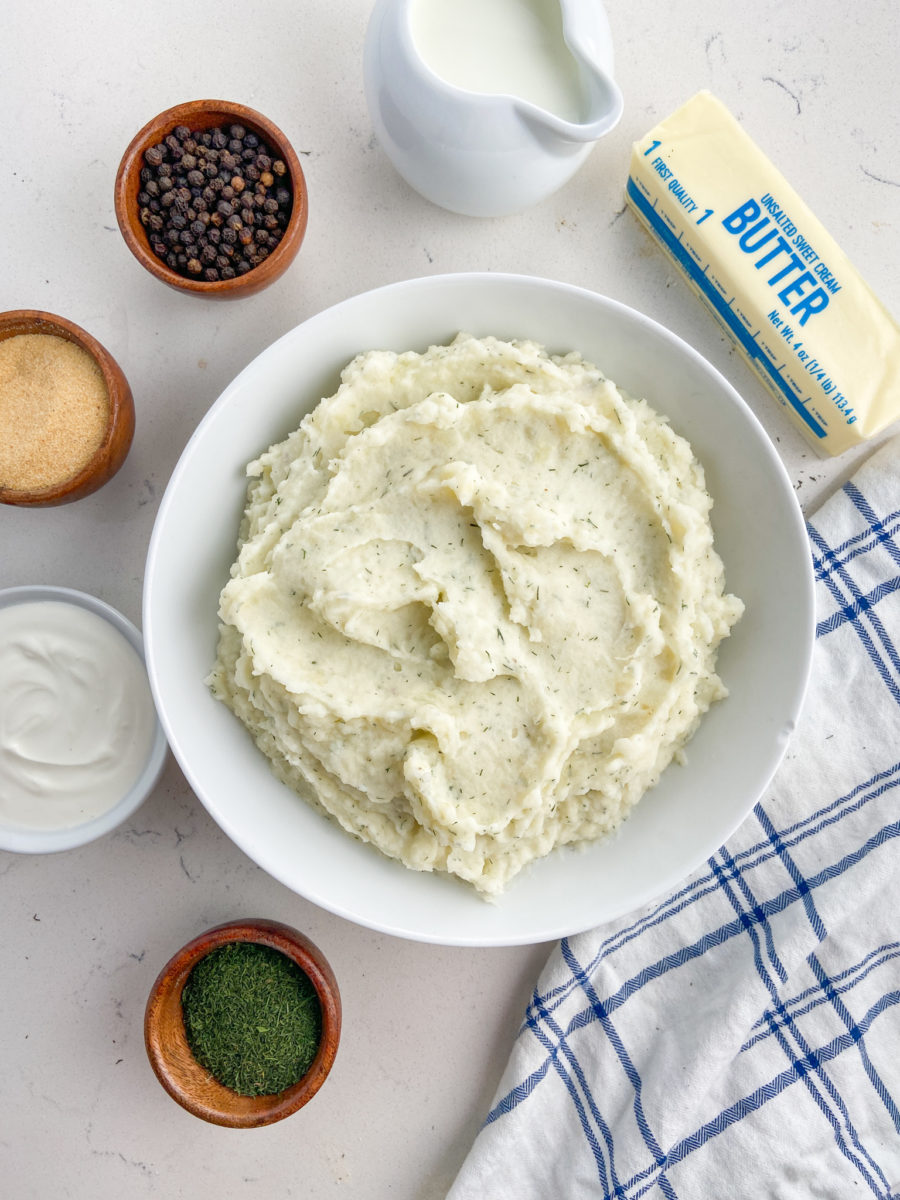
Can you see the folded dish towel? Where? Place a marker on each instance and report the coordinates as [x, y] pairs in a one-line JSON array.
[[741, 1038]]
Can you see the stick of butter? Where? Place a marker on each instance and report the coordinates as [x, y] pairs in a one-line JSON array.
[[819, 338]]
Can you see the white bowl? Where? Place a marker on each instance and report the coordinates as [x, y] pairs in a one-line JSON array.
[[44, 841], [765, 663]]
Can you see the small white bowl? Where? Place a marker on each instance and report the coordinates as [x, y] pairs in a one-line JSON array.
[[45, 841]]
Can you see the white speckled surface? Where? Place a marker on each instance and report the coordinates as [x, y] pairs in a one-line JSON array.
[[426, 1029]]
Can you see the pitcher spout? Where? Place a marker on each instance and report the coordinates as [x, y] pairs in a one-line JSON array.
[[604, 109], [586, 33]]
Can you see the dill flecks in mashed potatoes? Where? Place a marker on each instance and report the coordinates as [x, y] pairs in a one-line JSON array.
[[476, 605]]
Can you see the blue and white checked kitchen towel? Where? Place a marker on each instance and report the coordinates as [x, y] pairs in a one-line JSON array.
[[741, 1039]]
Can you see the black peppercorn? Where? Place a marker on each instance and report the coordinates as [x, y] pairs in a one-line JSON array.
[[209, 202]]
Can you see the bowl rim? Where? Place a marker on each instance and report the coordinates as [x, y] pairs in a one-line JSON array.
[[236, 1111], [50, 841], [121, 420], [723, 410], [127, 182]]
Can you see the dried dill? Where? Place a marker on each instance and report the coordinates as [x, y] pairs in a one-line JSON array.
[[252, 1018]]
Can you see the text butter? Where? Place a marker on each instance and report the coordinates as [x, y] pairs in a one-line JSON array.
[[819, 338]]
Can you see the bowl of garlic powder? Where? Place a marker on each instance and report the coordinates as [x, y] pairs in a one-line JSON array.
[[66, 411]]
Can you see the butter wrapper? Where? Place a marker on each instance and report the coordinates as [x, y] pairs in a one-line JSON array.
[[816, 334]]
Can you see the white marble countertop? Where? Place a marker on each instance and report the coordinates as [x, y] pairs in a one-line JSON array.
[[426, 1029]]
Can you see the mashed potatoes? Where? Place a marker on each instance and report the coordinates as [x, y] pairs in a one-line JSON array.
[[476, 605]]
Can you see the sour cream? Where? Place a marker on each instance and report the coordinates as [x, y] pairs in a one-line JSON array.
[[77, 720]]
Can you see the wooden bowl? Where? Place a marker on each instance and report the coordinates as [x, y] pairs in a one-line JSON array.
[[202, 115], [170, 1056], [116, 443]]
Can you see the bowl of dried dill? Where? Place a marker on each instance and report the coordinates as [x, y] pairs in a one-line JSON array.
[[242, 1024]]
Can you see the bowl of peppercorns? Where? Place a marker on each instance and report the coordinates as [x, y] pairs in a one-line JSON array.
[[211, 199]]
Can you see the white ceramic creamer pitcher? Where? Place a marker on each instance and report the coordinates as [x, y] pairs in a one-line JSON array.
[[487, 106]]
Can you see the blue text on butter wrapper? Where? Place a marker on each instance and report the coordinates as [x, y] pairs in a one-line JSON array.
[[802, 280]]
